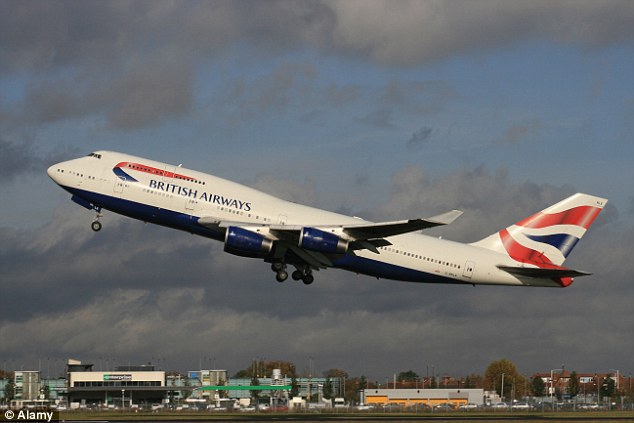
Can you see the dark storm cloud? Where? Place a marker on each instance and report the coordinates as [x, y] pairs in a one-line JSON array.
[[43, 35], [417, 32], [19, 158], [134, 62], [288, 85], [135, 289]]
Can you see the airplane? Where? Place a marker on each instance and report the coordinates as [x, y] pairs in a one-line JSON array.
[[254, 224]]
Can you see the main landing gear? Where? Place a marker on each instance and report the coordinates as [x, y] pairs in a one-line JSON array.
[[304, 274]]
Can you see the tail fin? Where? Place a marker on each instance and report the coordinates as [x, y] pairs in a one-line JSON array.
[[547, 238]]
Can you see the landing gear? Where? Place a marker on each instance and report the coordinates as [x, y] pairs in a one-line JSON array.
[[96, 225], [281, 276], [302, 273], [305, 275], [308, 279], [280, 269]]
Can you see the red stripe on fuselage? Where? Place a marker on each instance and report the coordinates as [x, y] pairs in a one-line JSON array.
[[154, 171]]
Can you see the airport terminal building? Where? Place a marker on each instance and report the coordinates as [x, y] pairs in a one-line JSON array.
[[123, 386]]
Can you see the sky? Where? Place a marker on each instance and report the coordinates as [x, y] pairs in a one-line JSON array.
[[384, 110]]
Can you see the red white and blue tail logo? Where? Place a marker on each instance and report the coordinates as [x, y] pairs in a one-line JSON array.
[[545, 239]]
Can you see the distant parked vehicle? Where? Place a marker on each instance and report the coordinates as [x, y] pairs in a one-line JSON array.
[[469, 406], [500, 406], [444, 407], [521, 406]]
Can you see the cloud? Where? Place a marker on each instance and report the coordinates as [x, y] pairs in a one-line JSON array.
[[42, 36], [288, 85], [516, 133], [150, 93], [415, 32], [135, 63], [133, 289], [420, 137], [22, 157]]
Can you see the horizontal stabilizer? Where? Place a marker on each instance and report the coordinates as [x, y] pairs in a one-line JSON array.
[[542, 273]]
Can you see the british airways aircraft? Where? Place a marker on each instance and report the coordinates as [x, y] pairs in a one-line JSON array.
[[253, 224]]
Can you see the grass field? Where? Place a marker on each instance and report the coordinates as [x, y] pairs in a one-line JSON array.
[[586, 417]]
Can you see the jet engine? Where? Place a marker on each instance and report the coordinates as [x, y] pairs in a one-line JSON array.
[[323, 242], [245, 243]]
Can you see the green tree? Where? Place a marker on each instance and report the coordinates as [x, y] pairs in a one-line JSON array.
[[255, 382], [362, 383], [408, 376], [608, 387], [538, 387], [341, 376], [327, 389], [294, 386], [9, 390], [573, 384], [263, 368]]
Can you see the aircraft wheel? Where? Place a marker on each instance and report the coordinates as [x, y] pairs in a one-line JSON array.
[[297, 275], [281, 276], [277, 266], [308, 279], [96, 226]]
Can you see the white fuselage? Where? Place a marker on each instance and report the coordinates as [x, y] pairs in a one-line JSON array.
[[177, 197]]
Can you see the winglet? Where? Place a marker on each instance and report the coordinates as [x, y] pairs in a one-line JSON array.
[[445, 218]]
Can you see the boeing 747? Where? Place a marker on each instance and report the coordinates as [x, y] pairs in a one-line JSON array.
[[253, 224]]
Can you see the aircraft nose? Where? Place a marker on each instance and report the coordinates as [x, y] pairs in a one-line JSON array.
[[52, 172]]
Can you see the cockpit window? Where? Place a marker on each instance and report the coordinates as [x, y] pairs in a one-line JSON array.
[[95, 155]]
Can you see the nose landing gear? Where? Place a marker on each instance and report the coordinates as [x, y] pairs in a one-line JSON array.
[[96, 224]]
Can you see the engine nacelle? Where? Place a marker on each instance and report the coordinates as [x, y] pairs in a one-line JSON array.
[[245, 243], [321, 241]]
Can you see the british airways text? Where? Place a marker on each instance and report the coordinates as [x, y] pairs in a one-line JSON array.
[[204, 196]]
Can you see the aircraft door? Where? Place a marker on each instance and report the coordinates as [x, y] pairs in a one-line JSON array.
[[190, 205], [119, 185], [469, 267]]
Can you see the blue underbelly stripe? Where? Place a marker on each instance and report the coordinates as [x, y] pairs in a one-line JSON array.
[[147, 213]]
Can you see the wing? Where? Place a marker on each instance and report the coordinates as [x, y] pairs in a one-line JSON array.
[[387, 229], [315, 243]]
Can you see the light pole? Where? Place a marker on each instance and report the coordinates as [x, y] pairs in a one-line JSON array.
[[123, 400], [552, 385], [502, 388]]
